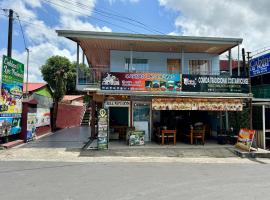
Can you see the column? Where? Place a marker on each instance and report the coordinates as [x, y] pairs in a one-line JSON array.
[[230, 61], [78, 62], [263, 125]]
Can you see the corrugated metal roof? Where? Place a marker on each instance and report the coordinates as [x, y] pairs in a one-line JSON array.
[[33, 86]]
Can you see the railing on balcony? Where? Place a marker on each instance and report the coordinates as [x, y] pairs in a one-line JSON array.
[[91, 76]]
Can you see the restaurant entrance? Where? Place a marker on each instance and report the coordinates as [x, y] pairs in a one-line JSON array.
[[182, 121]]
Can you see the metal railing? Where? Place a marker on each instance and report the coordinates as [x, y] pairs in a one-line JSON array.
[[93, 76]]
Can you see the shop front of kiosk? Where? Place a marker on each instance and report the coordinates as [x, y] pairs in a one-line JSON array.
[[119, 118]]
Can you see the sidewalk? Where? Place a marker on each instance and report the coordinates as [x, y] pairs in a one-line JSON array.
[[63, 155]]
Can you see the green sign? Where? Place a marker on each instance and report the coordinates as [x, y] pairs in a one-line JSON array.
[[12, 71]]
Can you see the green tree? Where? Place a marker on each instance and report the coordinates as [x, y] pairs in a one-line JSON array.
[[55, 72]]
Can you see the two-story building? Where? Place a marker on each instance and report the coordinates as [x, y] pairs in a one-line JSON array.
[[152, 81]]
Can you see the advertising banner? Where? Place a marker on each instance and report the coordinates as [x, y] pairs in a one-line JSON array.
[[260, 65], [197, 104], [141, 81], [102, 141], [9, 126], [43, 117], [31, 125], [245, 139], [11, 91], [211, 83]]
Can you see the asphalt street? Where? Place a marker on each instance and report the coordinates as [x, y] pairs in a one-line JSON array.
[[129, 181]]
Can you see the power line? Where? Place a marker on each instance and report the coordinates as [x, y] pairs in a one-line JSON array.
[[121, 18], [21, 30], [89, 16]]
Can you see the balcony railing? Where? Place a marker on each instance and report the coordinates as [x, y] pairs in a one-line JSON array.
[[91, 76]]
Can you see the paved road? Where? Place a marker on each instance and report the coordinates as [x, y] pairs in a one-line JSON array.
[[65, 138], [130, 181]]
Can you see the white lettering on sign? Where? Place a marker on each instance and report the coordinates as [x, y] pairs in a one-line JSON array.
[[116, 103]]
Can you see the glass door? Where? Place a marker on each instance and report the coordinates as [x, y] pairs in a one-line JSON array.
[[141, 118]]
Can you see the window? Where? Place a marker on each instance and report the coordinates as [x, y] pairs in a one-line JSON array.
[[200, 67], [173, 66], [138, 65]]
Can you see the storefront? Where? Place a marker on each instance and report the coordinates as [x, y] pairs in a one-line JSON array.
[[151, 81]]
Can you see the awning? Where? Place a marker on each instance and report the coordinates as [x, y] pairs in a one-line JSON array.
[[176, 94]]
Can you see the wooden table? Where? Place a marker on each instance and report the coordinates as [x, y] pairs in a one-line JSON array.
[[168, 132]]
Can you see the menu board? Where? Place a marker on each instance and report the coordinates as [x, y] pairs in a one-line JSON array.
[[31, 125], [245, 139], [102, 141]]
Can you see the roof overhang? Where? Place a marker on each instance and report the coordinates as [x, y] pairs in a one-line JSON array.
[[100, 43], [182, 94]]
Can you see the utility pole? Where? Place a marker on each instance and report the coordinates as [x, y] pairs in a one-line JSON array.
[[250, 103], [10, 30], [27, 66]]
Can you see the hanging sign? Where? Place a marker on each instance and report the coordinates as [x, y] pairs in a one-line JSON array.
[[102, 140], [245, 139], [260, 65], [139, 81], [209, 83]]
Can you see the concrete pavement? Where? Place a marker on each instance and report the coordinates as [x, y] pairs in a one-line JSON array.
[[132, 181], [68, 138]]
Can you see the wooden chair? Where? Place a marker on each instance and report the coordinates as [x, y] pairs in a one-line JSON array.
[[189, 135], [199, 134]]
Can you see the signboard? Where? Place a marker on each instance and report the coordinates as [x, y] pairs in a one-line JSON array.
[[43, 117], [31, 125], [141, 81], [10, 126], [11, 91], [197, 104], [245, 139], [102, 141], [260, 65], [116, 103], [205, 83]]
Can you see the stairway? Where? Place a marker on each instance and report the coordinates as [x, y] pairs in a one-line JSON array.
[[86, 118]]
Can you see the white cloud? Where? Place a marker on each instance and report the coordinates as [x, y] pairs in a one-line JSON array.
[[43, 40], [130, 1], [246, 19]]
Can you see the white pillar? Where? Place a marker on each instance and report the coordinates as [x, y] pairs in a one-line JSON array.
[[263, 125], [78, 60], [131, 60], [238, 62], [230, 61], [182, 61]]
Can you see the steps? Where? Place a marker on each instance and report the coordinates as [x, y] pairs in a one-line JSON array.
[[86, 118]]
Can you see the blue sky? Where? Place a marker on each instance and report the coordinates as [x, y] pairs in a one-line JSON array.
[[40, 18]]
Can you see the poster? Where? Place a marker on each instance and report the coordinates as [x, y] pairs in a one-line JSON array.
[[102, 141], [141, 81], [43, 117], [9, 126], [245, 139], [211, 83], [11, 94], [31, 125]]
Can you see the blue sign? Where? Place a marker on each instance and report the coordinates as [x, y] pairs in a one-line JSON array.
[[260, 65]]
